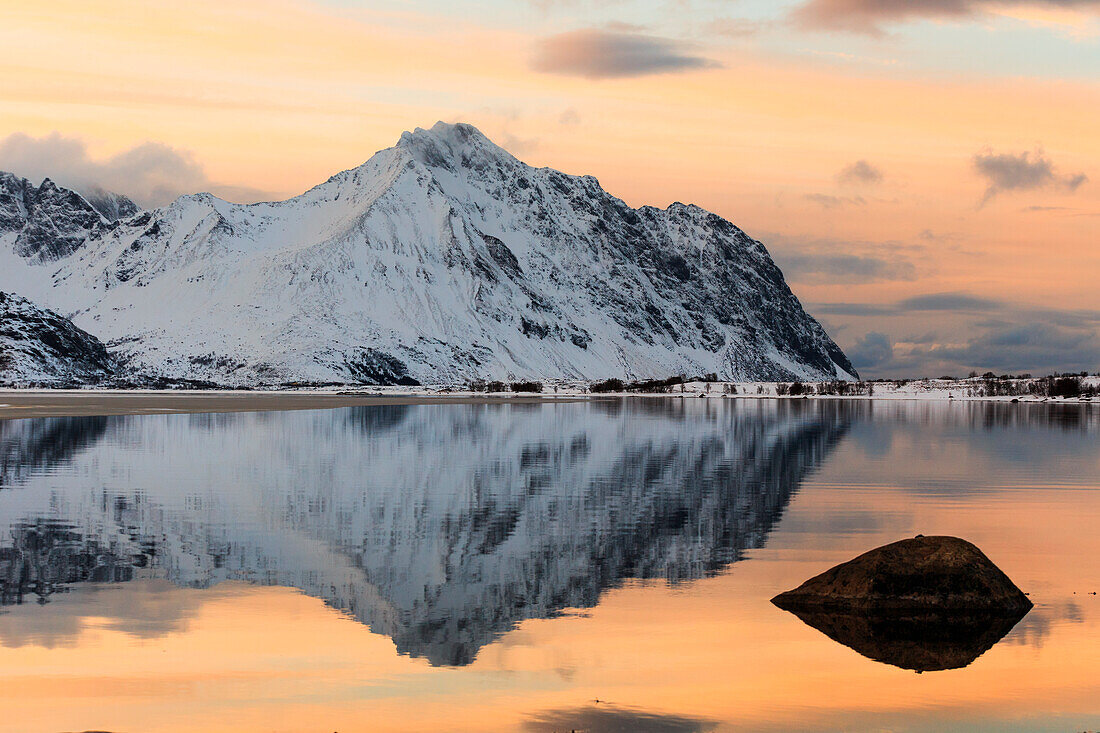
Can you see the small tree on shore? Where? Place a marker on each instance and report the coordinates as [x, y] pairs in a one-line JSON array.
[[527, 387]]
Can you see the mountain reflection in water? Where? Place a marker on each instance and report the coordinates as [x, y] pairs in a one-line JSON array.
[[439, 526], [444, 526]]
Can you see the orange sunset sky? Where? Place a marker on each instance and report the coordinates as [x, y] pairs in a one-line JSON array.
[[926, 173]]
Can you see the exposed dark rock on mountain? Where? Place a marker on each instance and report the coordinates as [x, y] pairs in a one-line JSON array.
[[45, 223], [40, 347], [915, 575], [441, 259]]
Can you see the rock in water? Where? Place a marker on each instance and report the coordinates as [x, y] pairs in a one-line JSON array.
[[919, 574], [926, 604]]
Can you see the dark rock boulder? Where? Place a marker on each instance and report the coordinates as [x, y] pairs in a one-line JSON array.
[[926, 604], [919, 574]]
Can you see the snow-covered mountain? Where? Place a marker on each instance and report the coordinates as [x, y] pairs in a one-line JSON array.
[[440, 259], [439, 526], [40, 347]]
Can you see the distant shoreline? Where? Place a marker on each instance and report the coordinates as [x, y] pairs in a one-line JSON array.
[[15, 404], [31, 403]]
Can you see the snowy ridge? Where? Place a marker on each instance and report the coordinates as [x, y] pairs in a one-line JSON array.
[[439, 260]]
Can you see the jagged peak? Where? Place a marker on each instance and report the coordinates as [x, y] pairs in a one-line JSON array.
[[450, 145], [203, 200], [202, 197], [450, 132], [109, 204], [10, 179]]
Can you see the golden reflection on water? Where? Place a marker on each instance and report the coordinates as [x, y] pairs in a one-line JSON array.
[[709, 654], [712, 655]]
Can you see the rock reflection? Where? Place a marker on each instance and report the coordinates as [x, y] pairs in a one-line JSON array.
[[27, 445], [439, 526], [923, 643]]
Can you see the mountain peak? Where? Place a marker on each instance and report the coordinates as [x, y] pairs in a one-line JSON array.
[[450, 145], [453, 132]]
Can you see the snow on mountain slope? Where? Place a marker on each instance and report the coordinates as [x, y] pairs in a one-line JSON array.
[[40, 347], [438, 260]]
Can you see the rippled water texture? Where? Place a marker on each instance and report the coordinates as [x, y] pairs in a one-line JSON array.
[[544, 567]]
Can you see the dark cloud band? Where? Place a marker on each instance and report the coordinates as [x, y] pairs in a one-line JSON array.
[[868, 16], [604, 54], [1022, 172]]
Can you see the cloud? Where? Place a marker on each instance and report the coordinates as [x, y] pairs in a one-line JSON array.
[[144, 609], [608, 718], [834, 202], [569, 117], [860, 172], [825, 260], [1075, 181], [926, 338], [1023, 172], [607, 54], [150, 173], [990, 336], [735, 27], [852, 309], [1035, 347], [970, 304], [846, 268], [518, 145], [868, 16], [948, 302], [871, 351]]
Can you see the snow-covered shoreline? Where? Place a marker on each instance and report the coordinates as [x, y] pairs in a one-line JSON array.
[[964, 390], [976, 389]]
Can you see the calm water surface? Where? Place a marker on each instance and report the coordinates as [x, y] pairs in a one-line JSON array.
[[598, 566]]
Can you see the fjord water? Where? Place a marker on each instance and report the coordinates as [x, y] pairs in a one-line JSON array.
[[600, 566]]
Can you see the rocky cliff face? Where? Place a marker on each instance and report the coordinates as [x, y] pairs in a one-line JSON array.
[[46, 223], [441, 259], [441, 527], [40, 347]]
